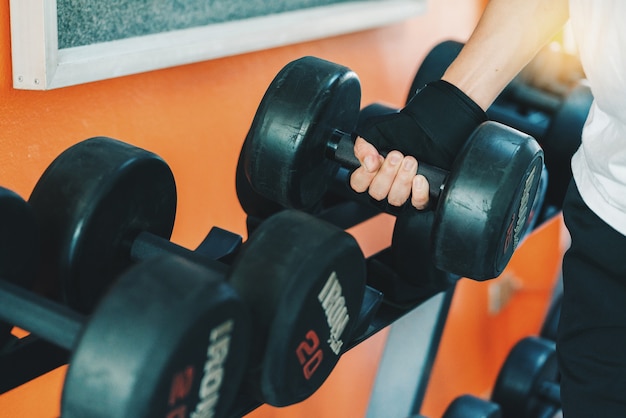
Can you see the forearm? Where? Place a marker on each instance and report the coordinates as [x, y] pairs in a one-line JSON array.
[[508, 35]]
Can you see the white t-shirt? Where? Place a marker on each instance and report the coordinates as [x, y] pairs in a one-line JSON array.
[[599, 165]]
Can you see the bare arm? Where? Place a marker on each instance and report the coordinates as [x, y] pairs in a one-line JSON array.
[[507, 37]]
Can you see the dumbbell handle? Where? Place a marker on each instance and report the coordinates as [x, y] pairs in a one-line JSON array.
[[42, 317], [340, 148], [532, 96], [148, 246]]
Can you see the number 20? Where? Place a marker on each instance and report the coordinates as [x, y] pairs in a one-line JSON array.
[[309, 354]]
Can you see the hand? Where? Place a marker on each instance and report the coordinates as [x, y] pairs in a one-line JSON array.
[[393, 178], [433, 126]]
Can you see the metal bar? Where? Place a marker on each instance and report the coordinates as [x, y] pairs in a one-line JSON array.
[[43, 317]]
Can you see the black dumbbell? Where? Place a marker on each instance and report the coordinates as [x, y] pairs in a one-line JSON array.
[[170, 338], [19, 253], [527, 383], [379, 109], [104, 204], [252, 203], [554, 119], [302, 134], [469, 406]]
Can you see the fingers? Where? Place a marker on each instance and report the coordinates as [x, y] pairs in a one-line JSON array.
[[367, 154], [371, 161], [419, 192], [384, 179], [393, 178], [402, 183], [362, 177]]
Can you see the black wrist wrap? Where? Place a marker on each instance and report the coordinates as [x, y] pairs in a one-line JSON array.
[[432, 127]]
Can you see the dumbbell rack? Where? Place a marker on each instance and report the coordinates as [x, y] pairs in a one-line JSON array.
[[27, 358]]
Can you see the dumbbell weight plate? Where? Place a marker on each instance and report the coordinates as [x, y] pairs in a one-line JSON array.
[[486, 201], [285, 152], [469, 406], [169, 339], [531, 361], [251, 202], [19, 246], [317, 290], [109, 191]]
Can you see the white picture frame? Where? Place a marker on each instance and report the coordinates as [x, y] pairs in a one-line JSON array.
[[39, 64]]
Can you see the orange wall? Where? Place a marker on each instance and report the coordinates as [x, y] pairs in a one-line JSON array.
[[196, 117]]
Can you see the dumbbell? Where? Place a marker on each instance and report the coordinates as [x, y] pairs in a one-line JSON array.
[[169, 339], [378, 109], [469, 406], [253, 204], [555, 120], [104, 204], [302, 133], [526, 384], [19, 255]]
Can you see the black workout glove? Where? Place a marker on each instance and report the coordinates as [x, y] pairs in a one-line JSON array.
[[432, 127]]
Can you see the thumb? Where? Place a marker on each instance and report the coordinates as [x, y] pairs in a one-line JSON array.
[[367, 154]]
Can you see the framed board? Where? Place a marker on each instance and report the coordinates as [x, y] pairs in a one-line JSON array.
[[59, 43]]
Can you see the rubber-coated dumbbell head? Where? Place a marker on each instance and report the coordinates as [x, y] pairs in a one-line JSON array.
[[19, 246], [91, 202], [519, 388], [286, 148], [253, 203], [169, 339], [306, 324], [470, 406], [482, 212]]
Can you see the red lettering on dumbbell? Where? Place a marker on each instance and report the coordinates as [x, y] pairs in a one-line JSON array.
[[309, 354], [180, 412], [181, 385]]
